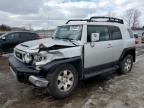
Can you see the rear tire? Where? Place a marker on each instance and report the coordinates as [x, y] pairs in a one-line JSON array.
[[62, 81], [126, 64]]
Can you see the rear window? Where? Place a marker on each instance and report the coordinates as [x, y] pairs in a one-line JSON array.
[[115, 33], [34, 34], [131, 33]]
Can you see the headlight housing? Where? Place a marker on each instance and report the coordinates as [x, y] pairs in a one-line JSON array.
[[39, 58], [28, 58], [42, 58]]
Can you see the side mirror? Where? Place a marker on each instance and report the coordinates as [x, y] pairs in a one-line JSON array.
[[3, 38], [95, 37]]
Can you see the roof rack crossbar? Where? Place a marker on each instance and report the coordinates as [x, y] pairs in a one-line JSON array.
[[109, 19], [77, 20]]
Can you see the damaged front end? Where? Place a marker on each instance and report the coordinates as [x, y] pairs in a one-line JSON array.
[[56, 52], [43, 53], [31, 65]]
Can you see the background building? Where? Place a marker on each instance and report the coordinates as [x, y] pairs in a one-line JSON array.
[[138, 31]]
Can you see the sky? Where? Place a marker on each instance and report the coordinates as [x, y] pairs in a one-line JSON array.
[[47, 14]]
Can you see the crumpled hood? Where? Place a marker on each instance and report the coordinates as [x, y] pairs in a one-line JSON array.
[[57, 49], [47, 42]]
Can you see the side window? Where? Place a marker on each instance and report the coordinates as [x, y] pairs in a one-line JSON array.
[[22, 36], [33, 35], [131, 33], [115, 33], [25, 36], [12, 36], [102, 30], [30, 35]]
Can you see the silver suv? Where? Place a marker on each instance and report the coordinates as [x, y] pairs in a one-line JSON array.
[[75, 52]]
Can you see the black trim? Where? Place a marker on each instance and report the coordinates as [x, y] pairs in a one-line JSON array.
[[82, 64], [20, 67], [22, 70], [45, 69], [109, 19], [96, 70], [126, 50]]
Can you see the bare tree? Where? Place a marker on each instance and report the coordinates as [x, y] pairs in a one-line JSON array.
[[132, 17]]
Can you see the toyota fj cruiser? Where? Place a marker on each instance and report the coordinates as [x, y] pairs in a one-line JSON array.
[[75, 52]]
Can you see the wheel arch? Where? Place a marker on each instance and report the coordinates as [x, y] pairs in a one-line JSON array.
[[127, 51], [75, 61]]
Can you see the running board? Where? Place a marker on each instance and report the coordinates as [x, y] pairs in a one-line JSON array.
[[92, 74]]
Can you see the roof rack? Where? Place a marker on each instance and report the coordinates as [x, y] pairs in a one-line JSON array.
[[109, 19], [77, 20]]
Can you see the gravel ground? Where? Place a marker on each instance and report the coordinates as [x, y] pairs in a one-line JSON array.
[[105, 91], [125, 91]]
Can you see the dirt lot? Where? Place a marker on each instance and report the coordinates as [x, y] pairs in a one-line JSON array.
[[106, 91]]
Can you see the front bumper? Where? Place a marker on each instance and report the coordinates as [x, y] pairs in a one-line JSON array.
[[26, 74]]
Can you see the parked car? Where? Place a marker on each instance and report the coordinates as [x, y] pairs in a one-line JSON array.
[[9, 40], [1, 33], [75, 52], [137, 40]]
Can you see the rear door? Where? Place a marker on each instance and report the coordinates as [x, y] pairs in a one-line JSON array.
[[34, 36], [116, 42], [24, 37]]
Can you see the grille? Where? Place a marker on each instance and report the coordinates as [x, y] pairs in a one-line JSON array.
[[19, 54]]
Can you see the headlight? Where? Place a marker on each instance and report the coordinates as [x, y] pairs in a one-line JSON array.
[[28, 58], [42, 58]]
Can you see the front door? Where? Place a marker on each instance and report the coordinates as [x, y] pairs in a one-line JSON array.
[[97, 54], [11, 40]]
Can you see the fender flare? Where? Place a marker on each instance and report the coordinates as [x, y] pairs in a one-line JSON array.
[[52, 65], [126, 50]]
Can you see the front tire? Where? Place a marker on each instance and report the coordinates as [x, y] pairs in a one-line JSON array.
[[63, 81], [126, 64], [1, 52]]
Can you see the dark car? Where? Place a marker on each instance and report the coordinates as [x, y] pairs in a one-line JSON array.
[[1, 33], [9, 40]]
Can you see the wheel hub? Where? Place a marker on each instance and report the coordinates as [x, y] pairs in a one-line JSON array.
[[127, 65], [65, 80]]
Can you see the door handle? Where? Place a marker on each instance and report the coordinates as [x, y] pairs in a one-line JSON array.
[[109, 46]]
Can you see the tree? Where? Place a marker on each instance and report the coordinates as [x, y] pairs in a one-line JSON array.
[[132, 17], [4, 28]]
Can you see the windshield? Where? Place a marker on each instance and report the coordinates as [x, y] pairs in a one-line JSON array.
[[69, 32]]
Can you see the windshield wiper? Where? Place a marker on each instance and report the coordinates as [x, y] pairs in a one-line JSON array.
[[71, 40], [68, 39]]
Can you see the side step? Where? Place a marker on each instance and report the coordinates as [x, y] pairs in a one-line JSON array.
[[92, 74]]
